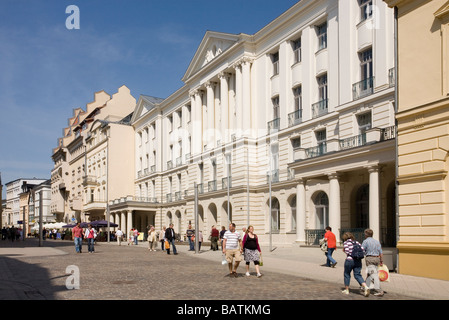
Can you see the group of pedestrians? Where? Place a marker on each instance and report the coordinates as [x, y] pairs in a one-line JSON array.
[[371, 252], [78, 234], [11, 233]]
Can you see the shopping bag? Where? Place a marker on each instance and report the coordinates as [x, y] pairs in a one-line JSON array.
[[167, 245], [384, 274], [261, 261], [223, 259]]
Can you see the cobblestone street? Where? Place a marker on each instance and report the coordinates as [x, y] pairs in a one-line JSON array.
[[133, 273]]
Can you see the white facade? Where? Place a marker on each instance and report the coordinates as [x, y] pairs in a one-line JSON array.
[[13, 191], [308, 98], [44, 190]]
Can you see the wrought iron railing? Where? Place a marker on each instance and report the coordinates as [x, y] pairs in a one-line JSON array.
[[274, 125], [319, 108], [225, 182], [316, 151], [274, 176], [212, 185], [178, 196], [388, 133], [169, 165], [362, 88], [295, 118], [352, 142]]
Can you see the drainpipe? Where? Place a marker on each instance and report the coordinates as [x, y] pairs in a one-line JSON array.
[[396, 98]]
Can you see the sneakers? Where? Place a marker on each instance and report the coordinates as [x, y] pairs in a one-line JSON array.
[[346, 291], [259, 275], [379, 294], [366, 292], [247, 274]]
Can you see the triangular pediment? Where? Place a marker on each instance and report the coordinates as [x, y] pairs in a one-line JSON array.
[[443, 11], [144, 105], [212, 46]]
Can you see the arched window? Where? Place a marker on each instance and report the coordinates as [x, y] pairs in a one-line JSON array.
[[293, 210], [322, 210], [362, 207]]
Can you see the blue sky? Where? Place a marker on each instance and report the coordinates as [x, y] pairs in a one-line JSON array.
[[47, 70]]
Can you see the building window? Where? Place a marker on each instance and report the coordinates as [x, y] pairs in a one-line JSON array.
[[322, 36], [296, 45], [366, 9], [297, 97], [296, 143], [276, 111], [275, 215], [366, 64], [322, 87], [364, 122], [362, 207], [322, 210], [275, 61]]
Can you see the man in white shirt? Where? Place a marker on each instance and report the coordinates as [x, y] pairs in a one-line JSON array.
[[232, 248], [119, 235]]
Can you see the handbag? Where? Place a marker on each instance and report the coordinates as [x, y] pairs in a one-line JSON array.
[[260, 261], [167, 245], [383, 272]]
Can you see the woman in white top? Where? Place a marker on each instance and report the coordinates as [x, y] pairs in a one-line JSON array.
[[152, 239]]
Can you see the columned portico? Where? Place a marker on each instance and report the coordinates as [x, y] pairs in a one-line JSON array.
[[224, 102], [301, 212], [374, 201], [334, 203]]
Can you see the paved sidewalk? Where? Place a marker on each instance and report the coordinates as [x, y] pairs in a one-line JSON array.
[[298, 261]]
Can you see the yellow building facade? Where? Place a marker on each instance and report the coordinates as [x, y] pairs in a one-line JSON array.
[[423, 136]]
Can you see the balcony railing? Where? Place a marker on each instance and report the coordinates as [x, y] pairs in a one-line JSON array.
[[200, 188], [145, 199], [169, 165], [274, 125], [319, 109], [295, 118], [316, 151], [274, 176], [212, 185], [363, 88], [145, 171], [353, 142], [225, 182], [169, 197], [178, 196], [391, 77], [388, 133], [153, 168], [178, 161]]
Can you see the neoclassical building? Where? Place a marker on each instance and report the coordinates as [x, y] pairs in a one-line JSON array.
[[290, 129], [83, 177]]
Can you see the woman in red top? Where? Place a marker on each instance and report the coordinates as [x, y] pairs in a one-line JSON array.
[[214, 239], [329, 237]]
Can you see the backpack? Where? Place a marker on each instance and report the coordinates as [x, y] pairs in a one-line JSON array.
[[357, 251]]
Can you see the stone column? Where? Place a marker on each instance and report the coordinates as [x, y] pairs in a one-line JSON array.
[[129, 224], [238, 100], [224, 105], [374, 203], [246, 97], [301, 212], [334, 205], [123, 225], [210, 134]]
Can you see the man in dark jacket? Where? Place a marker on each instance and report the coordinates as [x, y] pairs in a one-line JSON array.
[[170, 236]]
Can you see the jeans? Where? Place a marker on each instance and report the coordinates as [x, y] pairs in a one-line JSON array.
[[356, 267], [191, 244], [172, 242], [135, 240], [329, 257], [90, 244], [78, 244]]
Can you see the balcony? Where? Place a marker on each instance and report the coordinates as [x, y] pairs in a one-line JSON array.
[[169, 197], [145, 199], [388, 133], [153, 168], [225, 182], [178, 196], [178, 161], [391, 77], [200, 188], [363, 88], [274, 125], [274, 176], [295, 118], [169, 165], [145, 172], [139, 174], [212, 185], [316, 151], [319, 109], [90, 181], [353, 142]]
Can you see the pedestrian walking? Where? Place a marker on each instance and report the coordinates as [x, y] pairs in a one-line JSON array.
[[214, 234], [170, 236], [136, 236], [250, 244], [352, 264], [131, 237], [232, 248], [152, 239], [331, 241], [222, 232], [90, 235], [374, 259], [162, 238], [119, 236], [200, 239], [77, 236], [189, 234]]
